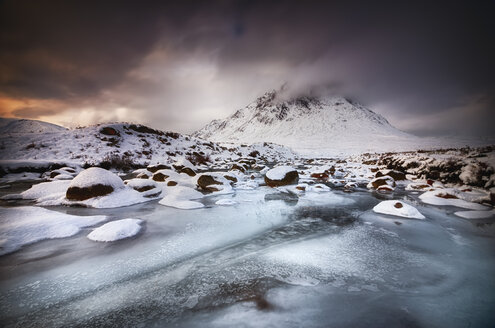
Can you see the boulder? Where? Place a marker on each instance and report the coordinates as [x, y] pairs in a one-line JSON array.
[[230, 177], [148, 188], [93, 182], [385, 188], [154, 168], [141, 185], [171, 183], [281, 176], [187, 170], [397, 175], [381, 181], [143, 175], [320, 176], [238, 168], [160, 177], [207, 182], [109, 131]]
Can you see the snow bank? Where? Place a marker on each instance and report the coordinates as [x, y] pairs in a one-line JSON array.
[[116, 230], [26, 225], [398, 208], [181, 197], [476, 214], [448, 196], [123, 197], [45, 189]]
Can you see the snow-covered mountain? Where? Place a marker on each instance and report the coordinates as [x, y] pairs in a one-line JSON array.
[[22, 126], [310, 126]]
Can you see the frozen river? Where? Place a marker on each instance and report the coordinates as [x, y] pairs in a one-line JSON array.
[[270, 260]]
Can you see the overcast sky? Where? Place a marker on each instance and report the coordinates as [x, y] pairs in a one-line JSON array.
[[428, 67]]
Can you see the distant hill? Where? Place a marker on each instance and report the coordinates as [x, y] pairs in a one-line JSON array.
[[135, 143], [23, 126]]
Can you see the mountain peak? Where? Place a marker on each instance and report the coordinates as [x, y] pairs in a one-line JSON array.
[[304, 122]]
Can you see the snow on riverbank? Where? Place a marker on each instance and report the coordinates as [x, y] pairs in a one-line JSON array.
[[26, 225]]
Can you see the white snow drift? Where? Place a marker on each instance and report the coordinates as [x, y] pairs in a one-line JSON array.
[[116, 230], [26, 225]]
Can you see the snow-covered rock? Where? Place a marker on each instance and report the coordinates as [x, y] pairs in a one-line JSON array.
[[146, 187], [93, 182], [116, 230], [449, 197], [398, 208], [181, 197], [382, 182], [281, 176], [26, 225], [213, 182]]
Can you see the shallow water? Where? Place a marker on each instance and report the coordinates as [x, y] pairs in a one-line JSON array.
[[323, 260]]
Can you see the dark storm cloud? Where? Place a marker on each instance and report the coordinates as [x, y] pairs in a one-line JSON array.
[[427, 66], [58, 49]]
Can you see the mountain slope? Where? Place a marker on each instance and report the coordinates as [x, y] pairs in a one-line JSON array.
[[22, 126], [134, 143], [310, 126]]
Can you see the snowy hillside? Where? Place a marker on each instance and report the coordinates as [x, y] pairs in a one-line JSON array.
[[121, 142], [313, 127], [22, 126]]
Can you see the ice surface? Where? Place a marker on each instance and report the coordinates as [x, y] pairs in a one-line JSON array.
[[398, 208], [21, 226], [226, 201], [116, 230], [312, 259]]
